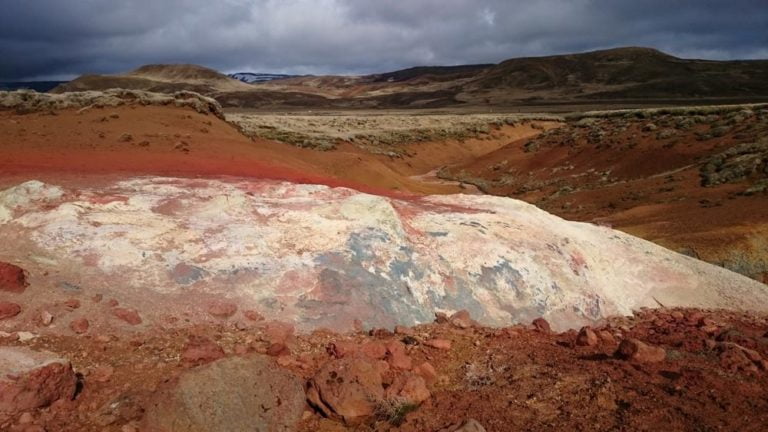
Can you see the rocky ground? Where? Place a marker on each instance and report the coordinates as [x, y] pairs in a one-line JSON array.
[[670, 369], [693, 180]]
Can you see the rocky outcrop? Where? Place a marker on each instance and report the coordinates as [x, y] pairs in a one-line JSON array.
[[738, 163], [229, 395], [32, 379], [28, 101], [325, 257]]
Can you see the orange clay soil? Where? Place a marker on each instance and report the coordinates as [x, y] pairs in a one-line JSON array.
[[711, 376], [636, 182], [173, 141]]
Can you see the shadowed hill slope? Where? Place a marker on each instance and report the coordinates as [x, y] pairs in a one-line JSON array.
[[641, 75]]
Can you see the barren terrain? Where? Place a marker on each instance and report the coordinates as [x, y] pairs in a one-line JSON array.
[[169, 267], [692, 180], [711, 374]]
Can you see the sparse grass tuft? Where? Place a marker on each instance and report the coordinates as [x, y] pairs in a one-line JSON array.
[[387, 134], [394, 409], [646, 113]]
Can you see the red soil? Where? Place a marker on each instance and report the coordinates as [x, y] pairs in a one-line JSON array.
[[633, 181], [169, 141], [713, 376], [127, 141]]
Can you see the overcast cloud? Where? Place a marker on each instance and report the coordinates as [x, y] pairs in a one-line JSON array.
[[62, 38]]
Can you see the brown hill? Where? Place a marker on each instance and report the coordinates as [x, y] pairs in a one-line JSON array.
[[621, 75], [160, 79], [628, 73]]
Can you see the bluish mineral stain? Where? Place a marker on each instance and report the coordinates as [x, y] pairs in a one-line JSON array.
[[437, 233], [188, 274], [68, 286], [348, 286]]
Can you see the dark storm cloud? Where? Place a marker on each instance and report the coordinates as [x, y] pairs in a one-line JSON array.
[[50, 38]]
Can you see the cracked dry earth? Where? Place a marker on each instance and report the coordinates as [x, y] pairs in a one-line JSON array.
[[679, 369]]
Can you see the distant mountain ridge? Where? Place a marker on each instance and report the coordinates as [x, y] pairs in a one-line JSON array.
[[629, 73], [255, 77]]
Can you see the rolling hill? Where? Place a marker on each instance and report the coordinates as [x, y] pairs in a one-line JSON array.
[[159, 78], [613, 76]]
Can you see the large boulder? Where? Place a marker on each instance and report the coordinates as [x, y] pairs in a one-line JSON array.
[[230, 395], [32, 379], [319, 256]]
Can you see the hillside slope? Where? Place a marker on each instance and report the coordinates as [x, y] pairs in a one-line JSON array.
[[639, 75], [629, 73], [692, 180], [161, 78]]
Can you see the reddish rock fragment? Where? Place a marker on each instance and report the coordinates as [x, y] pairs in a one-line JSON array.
[[606, 337], [341, 349], [13, 279], [131, 316], [735, 357], [32, 379], [72, 303], [278, 350], [374, 350], [397, 356], [101, 374], [542, 325], [461, 319], [694, 318], [347, 388], [253, 315], [441, 318], [402, 330], [441, 344], [79, 325], [9, 310], [222, 310], [426, 371], [201, 350], [637, 351], [408, 387], [278, 332], [587, 337]]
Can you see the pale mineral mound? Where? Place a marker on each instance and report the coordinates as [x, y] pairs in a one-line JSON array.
[[324, 257]]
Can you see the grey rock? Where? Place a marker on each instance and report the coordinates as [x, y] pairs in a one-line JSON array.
[[230, 395]]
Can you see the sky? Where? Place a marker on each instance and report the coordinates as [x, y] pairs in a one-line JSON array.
[[61, 39]]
